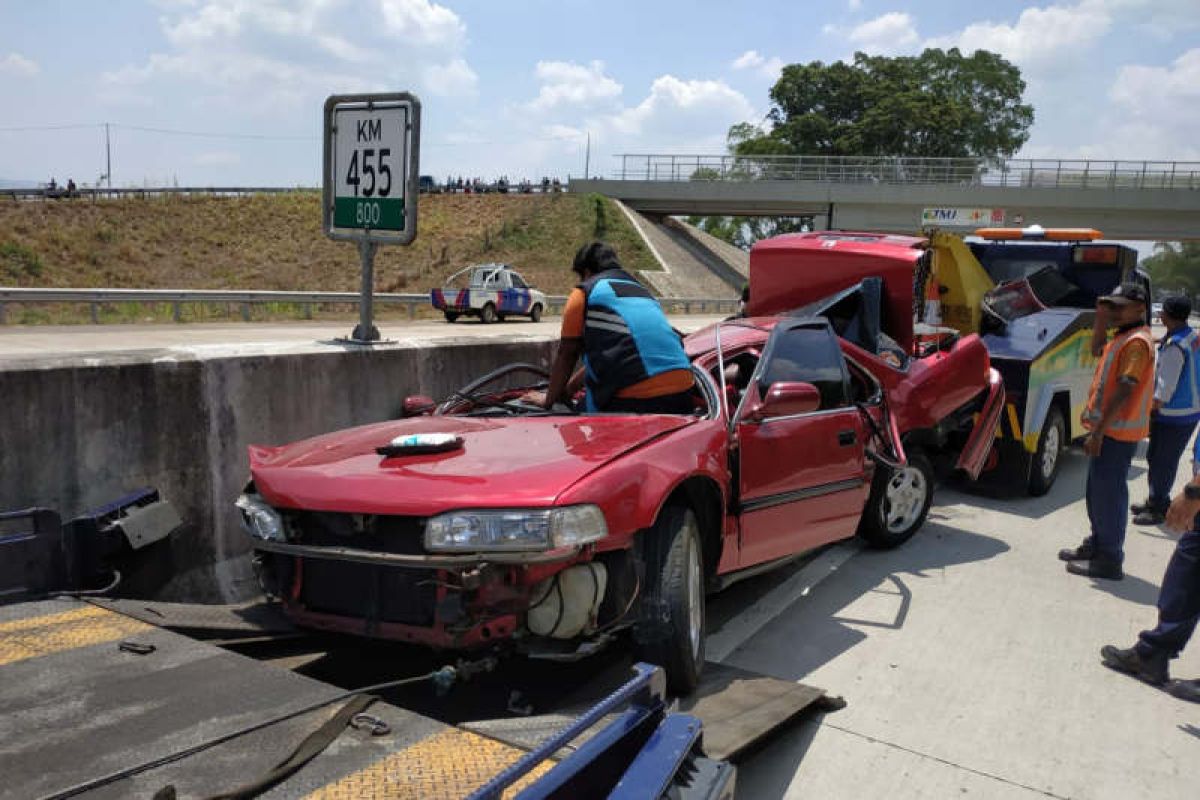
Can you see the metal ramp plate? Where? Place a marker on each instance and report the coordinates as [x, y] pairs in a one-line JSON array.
[[75, 707], [258, 618], [739, 709]]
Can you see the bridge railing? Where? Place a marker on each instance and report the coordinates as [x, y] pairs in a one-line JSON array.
[[1017, 173], [176, 298]]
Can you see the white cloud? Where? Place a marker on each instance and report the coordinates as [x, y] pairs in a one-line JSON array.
[[454, 79], [565, 83], [854, 5], [679, 108], [277, 53], [894, 32], [748, 60], [1157, 112], [1040, 36], [19, 65], [752, 59]]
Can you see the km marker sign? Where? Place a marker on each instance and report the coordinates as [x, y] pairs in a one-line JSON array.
[[369, 179]]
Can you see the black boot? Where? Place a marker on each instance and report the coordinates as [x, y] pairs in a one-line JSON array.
[[1082, 553], [1097, 568], [1151, 669], [1150, 516], [1138, 508]]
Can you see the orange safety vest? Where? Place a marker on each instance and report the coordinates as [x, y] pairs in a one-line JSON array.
[[1132, 423]]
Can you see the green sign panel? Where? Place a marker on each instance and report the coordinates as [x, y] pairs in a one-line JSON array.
[[378, 213]]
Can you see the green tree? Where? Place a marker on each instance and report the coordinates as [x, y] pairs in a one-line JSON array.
[[938, 104], [1175, 267]]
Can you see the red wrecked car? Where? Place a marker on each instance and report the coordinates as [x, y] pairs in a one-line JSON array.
[[485, 520]]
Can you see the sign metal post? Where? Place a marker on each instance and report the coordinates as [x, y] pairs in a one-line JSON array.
[[370, 172]]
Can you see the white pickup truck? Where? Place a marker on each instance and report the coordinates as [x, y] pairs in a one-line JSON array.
[[490, 292]]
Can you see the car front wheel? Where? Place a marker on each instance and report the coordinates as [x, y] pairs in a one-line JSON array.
[[670, 628], [535, 313], [898, 503]]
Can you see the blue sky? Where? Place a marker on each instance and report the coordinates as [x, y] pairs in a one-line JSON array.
[[515, 86]]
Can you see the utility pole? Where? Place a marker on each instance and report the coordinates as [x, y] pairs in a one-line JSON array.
[[587, 156], [107, 158]]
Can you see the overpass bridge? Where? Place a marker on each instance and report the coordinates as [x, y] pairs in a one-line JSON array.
[[1153, 200]]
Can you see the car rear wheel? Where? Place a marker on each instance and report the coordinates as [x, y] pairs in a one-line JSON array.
[[1048, 457], [487, 314], [535, 313], [451, 316], [898, 503], [670, 628]]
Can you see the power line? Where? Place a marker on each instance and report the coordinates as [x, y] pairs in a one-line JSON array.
[[81, 126], [217, 135]]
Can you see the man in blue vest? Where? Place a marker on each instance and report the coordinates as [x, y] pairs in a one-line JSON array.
[[633, 359], [1176, 408]]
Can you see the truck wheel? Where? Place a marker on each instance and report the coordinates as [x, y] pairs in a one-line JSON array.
[[1048, 457], [487, 314], [670, 628], [451, 316], [535, 313], [898, 503]]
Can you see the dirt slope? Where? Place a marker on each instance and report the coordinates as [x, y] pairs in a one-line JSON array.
[[275, 242]]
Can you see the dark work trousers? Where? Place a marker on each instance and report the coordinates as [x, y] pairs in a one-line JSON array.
[[1178, 600], [1167, 443], [1108, 498]]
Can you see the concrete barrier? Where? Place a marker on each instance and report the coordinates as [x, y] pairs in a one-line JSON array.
[[78, 431]]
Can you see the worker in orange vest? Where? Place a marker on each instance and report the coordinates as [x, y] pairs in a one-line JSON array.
[[1117, 417]]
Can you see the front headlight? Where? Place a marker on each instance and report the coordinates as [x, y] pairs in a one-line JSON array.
[[515, 530], [259, 519]]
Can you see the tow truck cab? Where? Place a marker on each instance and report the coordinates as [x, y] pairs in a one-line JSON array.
[[1031, 294]]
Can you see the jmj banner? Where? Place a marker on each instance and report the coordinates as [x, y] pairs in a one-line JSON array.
[[957, 217]]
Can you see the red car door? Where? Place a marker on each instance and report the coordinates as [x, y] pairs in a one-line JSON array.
[[802, 477]]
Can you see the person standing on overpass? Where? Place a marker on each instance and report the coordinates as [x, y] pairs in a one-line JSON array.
[[1178, 603], [1176, 408], [1117, 417], [633, 359]]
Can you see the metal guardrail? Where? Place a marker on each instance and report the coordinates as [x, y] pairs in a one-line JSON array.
[[1014, 173], [177, 297]]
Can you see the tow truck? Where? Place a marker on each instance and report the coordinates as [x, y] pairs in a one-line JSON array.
[[1031, 294]]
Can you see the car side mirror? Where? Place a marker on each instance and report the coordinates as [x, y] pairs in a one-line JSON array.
[[784, 399], [417, 405]]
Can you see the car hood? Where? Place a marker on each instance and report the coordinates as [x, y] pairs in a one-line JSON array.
[[503, 463]]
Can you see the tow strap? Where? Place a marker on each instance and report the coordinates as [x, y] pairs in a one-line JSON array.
[[306, 751]]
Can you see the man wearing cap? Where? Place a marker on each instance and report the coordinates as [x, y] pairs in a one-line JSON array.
[[634, 361], [1117, 417], [1176, 408]]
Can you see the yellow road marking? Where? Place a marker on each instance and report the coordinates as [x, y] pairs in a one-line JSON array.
[[448, 765], [51, 633]]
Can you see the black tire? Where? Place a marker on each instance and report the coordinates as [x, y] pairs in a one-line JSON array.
[[451, 316], [670, 627], [1045, 463], [487, 314], [535, 313], [883, 526]]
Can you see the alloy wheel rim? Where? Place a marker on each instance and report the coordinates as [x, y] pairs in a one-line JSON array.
[[695, 609], [1050, 453], [905, 498]]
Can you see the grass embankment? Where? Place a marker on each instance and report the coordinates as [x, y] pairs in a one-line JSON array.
[[275, 242]]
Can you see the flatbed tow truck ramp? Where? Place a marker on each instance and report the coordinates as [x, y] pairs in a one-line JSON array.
[[99, 704]]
